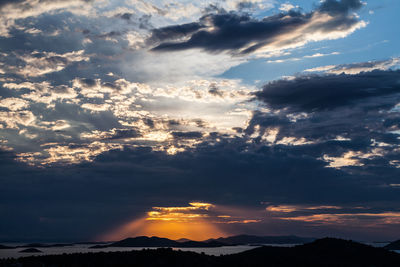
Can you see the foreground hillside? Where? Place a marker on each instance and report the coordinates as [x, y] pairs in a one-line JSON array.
[[394, 245], [322, 252]]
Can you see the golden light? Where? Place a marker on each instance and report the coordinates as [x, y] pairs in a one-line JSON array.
[[192, 222], [197, 221], [194, 229]]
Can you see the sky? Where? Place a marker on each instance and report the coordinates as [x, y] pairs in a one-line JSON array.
[[199, 119]]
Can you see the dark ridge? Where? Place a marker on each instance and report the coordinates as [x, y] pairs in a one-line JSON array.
[[183, 240], [30, 250], [41, 245], [144, 241], [322, 252], [393, 246], [91, 243], [252, 240]]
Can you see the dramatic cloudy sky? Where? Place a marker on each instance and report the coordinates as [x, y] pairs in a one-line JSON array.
[[199, 119]]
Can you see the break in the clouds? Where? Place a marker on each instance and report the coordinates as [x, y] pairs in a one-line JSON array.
[[128, 106], [242, 34], [355, 68]]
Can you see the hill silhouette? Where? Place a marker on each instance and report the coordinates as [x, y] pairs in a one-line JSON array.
[[322, 252], [393, 246], [36, 245], [144, 241], [252, 239], [41, 245], [31, 250]]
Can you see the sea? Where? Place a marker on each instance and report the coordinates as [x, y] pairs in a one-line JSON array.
[[85, 248]]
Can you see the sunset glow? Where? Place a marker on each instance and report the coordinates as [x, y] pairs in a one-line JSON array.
[[197, 221], [199, 119]]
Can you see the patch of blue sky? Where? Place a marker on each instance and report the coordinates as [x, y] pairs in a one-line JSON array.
[[379, 40]]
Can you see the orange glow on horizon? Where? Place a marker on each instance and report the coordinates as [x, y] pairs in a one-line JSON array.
[[197, 221], [197, 230], [191, 222]]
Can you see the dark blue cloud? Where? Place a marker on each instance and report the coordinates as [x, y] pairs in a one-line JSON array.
[[241, 34], [80, 201], [316, 93]]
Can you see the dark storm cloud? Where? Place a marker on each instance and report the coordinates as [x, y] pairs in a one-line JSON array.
[[125, 133], [187, 135], [339, 7], [345, 120], [174, 32], [232, 32], [239, 33], [126, 16], [117, 183], [77, 202], [7, 2], [89, 82], [356, 106], [316, 92], [221, 169]]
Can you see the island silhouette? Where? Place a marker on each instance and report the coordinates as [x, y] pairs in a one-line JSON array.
[[393, 245], [144, 241], [320, 252]]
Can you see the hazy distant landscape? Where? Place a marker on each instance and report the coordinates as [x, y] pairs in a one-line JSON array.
[[228, 245], [211, 247], [321, 252]]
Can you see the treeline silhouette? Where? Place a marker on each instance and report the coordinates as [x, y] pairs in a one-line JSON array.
[[322, 252]]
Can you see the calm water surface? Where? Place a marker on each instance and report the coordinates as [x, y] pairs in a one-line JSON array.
[[14, 253], [84, 248]]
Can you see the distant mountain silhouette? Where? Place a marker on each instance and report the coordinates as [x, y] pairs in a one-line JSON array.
[[183, 240], [31, 250], [322, 252], [90, 243], [252, 240], [41, 245], [36, 245], [394, 245], [144, 241]]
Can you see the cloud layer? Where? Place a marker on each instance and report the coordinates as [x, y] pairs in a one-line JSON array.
[[241, 34], [311, 93], [122, 105]]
